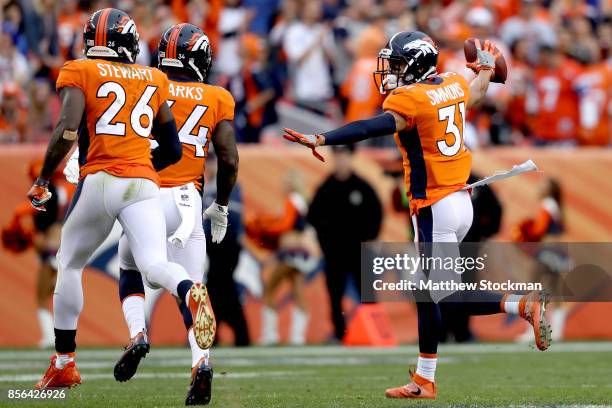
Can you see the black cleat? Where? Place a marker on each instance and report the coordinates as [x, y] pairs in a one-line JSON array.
[[200, 389], [128, 363]]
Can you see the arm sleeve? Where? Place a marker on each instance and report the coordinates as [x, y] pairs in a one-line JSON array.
[[359, 130], [71, 75], [170, 149]]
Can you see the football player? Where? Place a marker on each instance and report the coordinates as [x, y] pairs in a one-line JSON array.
[[113, 105], [426, 113], [204, 115]]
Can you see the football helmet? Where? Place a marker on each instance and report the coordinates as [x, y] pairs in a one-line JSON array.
[[185, 48], [110, 33], [408, 57]]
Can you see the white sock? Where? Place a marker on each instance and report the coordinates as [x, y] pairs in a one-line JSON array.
[[62, 360], [426, 367], [196, 352], [511, 304], [558, 318], [45, 321], [269, 330], [134, 313], [299, 322]]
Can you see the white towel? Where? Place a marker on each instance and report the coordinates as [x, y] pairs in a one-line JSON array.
[[184, 198]]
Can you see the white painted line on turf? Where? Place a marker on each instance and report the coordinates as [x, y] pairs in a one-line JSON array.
[[161, 376], [85, 364], [308, 351]]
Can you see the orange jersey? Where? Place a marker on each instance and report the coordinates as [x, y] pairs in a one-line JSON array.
[[555, 103], [121, 101], [363, 96], [593, 87], [197, 109], [436, 162]]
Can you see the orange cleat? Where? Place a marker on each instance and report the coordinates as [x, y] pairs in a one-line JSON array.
[[532, 307], [204, 323], [67, 377], [418, 387]]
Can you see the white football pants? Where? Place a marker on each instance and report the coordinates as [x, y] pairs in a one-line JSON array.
[[100, 200], [448, 220], [193, 256]]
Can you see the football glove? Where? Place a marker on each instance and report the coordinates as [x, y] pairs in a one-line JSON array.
[[71, 170], [310, 141], [218, 221], [39, 194], [486, 55]]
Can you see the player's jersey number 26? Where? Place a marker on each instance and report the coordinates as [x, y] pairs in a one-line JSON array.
[[447, 116], [141, 112]]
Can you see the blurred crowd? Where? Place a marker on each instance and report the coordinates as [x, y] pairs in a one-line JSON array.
[[319, 55]]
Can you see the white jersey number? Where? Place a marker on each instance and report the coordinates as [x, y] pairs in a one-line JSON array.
[[105, 125], [185, 132], [447, 114]]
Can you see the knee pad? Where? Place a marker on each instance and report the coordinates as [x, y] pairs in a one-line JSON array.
[[130, 283]]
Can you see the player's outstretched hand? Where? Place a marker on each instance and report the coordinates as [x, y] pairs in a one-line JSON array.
[[39, 194], [486, 55], [217, 214], [310, 141]]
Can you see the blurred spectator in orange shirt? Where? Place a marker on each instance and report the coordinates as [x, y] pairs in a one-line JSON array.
[[70, 21], [520, 77], [553, 100], [13, 115], [364, 99], [593, 87]]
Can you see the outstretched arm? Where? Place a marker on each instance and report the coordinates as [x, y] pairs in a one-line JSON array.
[[64, 135], [380, 125]]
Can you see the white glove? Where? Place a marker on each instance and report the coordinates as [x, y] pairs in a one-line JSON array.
[[218, 221], [72, 169]]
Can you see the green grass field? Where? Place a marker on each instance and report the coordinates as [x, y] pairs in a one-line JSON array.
[[570, 374]]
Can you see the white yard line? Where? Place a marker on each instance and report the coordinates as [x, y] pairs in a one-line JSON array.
[[159, 376], [318, 351]]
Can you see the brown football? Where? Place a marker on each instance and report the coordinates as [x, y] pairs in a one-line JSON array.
[[501, 69]]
